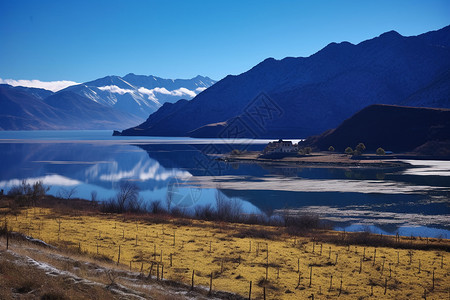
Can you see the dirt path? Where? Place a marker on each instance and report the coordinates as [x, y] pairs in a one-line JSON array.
[[30, 271]]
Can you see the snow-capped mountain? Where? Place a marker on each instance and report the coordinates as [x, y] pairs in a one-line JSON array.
[[107, 103], [140, 95]]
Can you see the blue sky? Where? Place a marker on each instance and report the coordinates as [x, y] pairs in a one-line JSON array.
[[84, 40]]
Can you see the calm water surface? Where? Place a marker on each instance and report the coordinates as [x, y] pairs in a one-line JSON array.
[[76, 163]]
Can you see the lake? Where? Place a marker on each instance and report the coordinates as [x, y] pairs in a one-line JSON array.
[[414, 201]]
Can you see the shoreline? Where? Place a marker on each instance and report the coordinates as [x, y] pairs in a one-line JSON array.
[[322, 160], [85, 207]]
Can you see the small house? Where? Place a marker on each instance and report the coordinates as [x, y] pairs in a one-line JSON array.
[[280, 146]]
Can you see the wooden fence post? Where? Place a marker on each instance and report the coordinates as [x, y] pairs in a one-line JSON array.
[[7, 236], [433, 279], [210, 283]]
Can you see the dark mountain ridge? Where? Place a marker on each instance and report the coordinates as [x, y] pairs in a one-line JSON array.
[[395, 128], [318, 92]]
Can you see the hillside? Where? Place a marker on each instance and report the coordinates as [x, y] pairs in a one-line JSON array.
[[316, 93], [394, 128], [25, 110]]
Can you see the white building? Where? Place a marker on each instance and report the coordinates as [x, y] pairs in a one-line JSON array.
[[280, 146]]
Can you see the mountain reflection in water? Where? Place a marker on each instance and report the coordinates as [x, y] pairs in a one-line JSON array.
[[406, 201]]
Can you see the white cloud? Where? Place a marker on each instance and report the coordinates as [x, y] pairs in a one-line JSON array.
[[53, 86], [149, 93], [115, 89], [178, 92], [182, 91], [200, 89], [144, 171], [46, 180]]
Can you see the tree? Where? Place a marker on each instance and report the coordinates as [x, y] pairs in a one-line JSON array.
[[94, 196], [380, 151], [67, 193], [349, 150], [331, 148], [360, 148], [235, 152], [305, 151], [38, 191], [28, 194], [127, 196]]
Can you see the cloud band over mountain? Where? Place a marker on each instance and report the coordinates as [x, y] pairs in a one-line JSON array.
[[53, 86]]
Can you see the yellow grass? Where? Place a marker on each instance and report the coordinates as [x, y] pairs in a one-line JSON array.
[[245, 259]]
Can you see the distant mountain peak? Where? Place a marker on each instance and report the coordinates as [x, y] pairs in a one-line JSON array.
[[334, 46], [391, 35]]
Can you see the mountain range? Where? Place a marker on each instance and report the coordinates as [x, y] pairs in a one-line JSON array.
[[299, 97], [106, 103]]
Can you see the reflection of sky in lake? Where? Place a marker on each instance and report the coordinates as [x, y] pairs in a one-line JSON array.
[[412, 200], [428, 168]]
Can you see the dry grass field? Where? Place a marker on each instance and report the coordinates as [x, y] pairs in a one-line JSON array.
[[233, 255]]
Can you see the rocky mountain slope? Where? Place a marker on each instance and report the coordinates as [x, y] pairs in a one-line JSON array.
[[305, 96]]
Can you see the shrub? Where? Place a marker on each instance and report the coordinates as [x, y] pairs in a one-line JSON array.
[[156, 207], [205, 212], [305, 151], [299, 224], [349, 150], [360, 147], [235, 152], [331, 148], [126, 200], [28, 194], [380, 151], [227, 209]]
